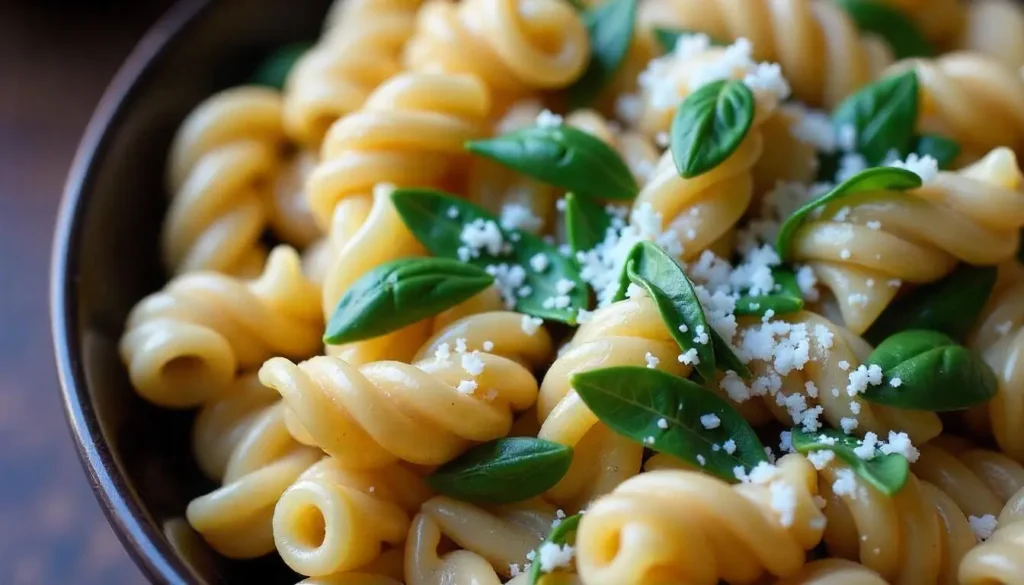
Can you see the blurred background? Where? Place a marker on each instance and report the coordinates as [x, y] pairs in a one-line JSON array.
[[56, 58]]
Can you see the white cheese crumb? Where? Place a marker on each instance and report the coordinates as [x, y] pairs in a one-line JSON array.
[[710, 421], [551, 556], [846, 485], [808, 283], [460, 345], [662, 423], [729, 446], [516, 216], [649, 440], [845, 254], [983, 527], [539, 262], [925, 166], [763, 474], [547, 119], [584, 316], [848, 424], [857, 299], [863, 377], [701, 336], [564, 286], [866, 449], [821, 458], [480, 234], [634, 291], [846, 138], [896, 382], [652, 361], [661, 139], [466, 387], [786, 441], [701, 460], [443, 353], [900, 443], [472, 363], [689, 357], [783, 501], [844, 365], [855, 407], [874, 225], [453, 212], [530, 325], [488, 346], [683, 328], [513, 569]]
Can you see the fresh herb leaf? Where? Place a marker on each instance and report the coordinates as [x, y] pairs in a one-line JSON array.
[[586, 223], [564, 533], [943, 150], [725, 359], [887, 473], [438, 219], [884, 115], [873, 179], [949, 306], [901, 33], [610, 26], [668, 37], [273, 72], [788, 299], [632, 401], [507, 470], [710, 125], [565, 157], [933, 373], [650, 267], [400, 293]]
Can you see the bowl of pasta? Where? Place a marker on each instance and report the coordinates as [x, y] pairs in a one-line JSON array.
[[540, 292]]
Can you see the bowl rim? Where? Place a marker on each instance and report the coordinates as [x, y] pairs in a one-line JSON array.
[[145, 544]]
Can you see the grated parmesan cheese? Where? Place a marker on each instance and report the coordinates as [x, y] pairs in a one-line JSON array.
[[466, 387], [547, 119], [530, 325], [652, 360], [925, 166], [984, 526], [710, 421], [551, 556]]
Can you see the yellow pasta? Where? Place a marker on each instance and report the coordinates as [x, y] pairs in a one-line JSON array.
[[491, 541], [290, 217], [971, 98], [360, 48], [999, 560], [334, 519], [183, 344], [821, 52], [995, 28], [426, 412], [514, 46], [623, 333], [999, 340], [222, 160], [235, 519], [222, 423], [833, 572], [794, 389], [687, 527], [865, 246]]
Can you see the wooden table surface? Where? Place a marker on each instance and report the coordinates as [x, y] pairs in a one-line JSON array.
[[54, 63]]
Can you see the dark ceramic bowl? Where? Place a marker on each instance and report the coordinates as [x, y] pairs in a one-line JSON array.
[[105, 258]]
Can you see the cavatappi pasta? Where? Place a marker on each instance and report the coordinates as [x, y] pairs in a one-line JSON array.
[[606, 292]]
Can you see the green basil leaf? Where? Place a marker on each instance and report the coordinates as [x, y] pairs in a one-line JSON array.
[[650, 267], [887, 473], [507, 470], [884, 114], [948, 306], [873, 179], [885, 21], [437, 220], [934, 373], [610, 25], [401, 293], [710, 125], [273, 72], [578, 5], [565, 157], [943, 150], [586, 223], [632, 401], [668, 37], [564, 533], [788, 299]]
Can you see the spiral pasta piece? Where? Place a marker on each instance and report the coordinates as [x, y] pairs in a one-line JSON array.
[[490, 541], [999, 339], [223, 423], [701, 210], [864, 246], [386, 569], [687, 527], [514, 46], [426, 412], [621, 334], [359, 49], [793, 390], [972, 98], [1000, 560], [833, 572], [335, 519], [979, 481], [995, 28], [821, 52], [183, 344], [221, 162], [236, 519], [290, 216]]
